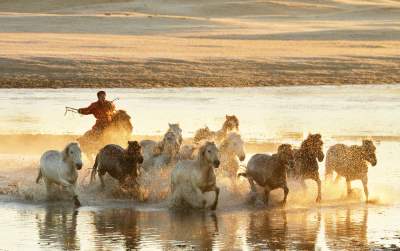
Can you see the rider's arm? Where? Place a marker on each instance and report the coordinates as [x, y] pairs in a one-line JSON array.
[[86, 111], [113, 106]]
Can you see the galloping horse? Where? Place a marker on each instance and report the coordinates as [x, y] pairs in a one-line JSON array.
[[118, 132]]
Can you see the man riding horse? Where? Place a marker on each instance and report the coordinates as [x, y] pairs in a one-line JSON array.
[[103, 110]]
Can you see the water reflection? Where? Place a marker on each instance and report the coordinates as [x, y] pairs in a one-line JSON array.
[[117, 222], [347, 228], [353, 226], [268, 230], [57, 227]]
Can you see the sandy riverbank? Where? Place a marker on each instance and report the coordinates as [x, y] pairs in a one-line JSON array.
[[190, 43]]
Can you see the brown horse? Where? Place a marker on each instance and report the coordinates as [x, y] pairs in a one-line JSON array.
[[269, 171], [306, 161], [119, 163], [118, 132], [231, 123], [351, 162]]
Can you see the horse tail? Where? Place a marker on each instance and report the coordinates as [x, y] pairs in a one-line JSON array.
[[39, 176], [94, 169]]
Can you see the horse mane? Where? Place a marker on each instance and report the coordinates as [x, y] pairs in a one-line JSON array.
[[201, 134]]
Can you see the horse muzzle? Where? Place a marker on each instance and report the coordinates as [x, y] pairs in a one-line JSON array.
[[79, 166], [216, 163]]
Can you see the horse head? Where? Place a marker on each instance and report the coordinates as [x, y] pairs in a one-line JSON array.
[[313, 145], [177, 130], [208, 153], [286, 155], [134, 149], [72, 154], [368, 149], [231, 123], [233, 143]]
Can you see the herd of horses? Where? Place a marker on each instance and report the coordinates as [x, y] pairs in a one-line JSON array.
[[196, 166]]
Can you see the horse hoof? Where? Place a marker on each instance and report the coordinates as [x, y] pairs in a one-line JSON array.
[[214, 207]]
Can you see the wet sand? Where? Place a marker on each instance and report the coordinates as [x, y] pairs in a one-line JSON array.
[[175, 43]]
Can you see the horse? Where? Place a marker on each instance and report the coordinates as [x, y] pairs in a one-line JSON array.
[[119, 163], [351, 162], [177, 130], [270, 171], [306, 161], [190, 179], [61, 168], [231, 123], [159, 154], [117, 132], [231, 149]]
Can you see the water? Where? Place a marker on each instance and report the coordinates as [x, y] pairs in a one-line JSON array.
[[352, 227], [280, 114], [264, 113]]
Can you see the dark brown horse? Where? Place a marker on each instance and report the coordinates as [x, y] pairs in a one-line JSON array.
[[119, 163], [306, 161], [117, 132]]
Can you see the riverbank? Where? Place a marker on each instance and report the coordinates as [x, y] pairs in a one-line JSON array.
[[94, 43]]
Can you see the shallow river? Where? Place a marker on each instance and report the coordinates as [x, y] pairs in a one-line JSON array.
[[29, 222]]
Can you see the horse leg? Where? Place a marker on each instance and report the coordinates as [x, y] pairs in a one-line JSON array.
[[318, 180], [267, 190], [252, 187], [286, 192], [348, 182], [48, 188], [72, 189], [102, 181], [200, 196], [214, 205], [364, 181]]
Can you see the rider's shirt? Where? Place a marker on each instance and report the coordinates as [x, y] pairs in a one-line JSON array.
[[102, 111]]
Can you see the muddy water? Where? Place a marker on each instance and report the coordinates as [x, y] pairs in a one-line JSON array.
[[28, 221]]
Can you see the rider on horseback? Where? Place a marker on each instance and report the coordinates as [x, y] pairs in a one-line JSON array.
[[103, 110]]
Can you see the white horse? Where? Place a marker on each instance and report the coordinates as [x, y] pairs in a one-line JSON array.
[[231, 149], [192, 178], [160, 154], [61, 168]]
